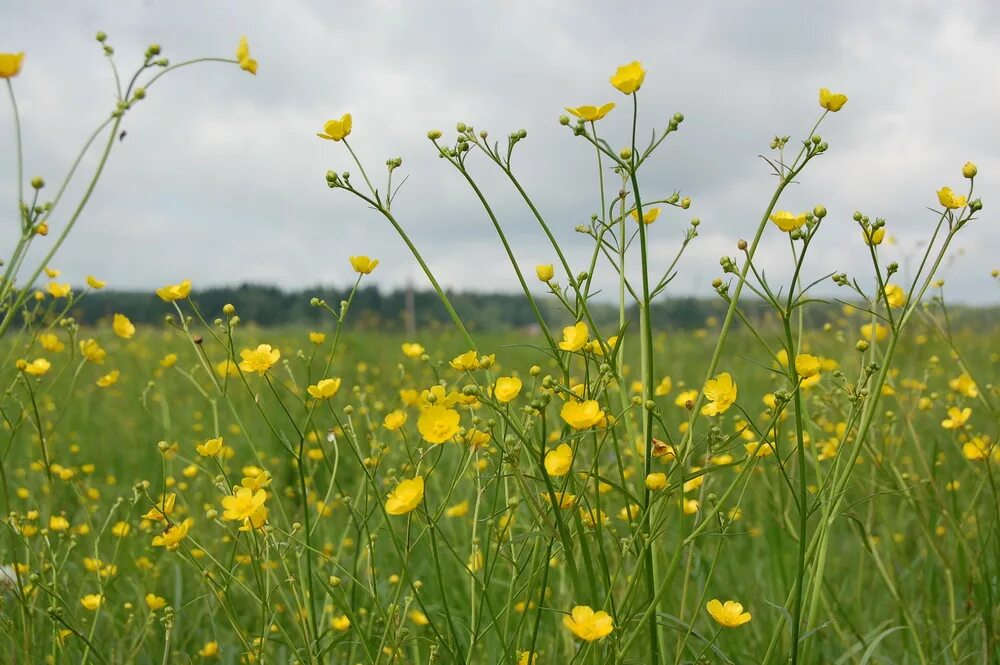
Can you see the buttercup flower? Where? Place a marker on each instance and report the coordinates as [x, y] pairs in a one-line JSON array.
[[969, 170], [949, 199], [363, 265], [587, 624], [874, 237], [173, 292], [956, 418], [10, 64], [787, 221], [154, 602], [260, 359], [37, 367], [317, 338], [92, 601], [575, 337], [559, 461], [336, 130], [412, 350], [648, 216], [465, 362], [406, 497], [173, 535], [728, 615], [545, 272], [109, 379], [92, 351], [831, 101], [247, 63], [95, 283], [582, 415], [438, 423], [243, 503], [656, 481], [895, 295], [507, 388], [122, 326], [591, 113], [628, 78], [210, 447], [57, 290], [325, 389], [394, 420], [806, 365], [721, 393]]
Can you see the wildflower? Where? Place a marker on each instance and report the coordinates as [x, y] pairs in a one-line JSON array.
[[663, 387], [418, 617], [438, 423], [10, 64], [628, 78], [545, 272], [168, 360], [95, 283], [656, 481], [394, 420], [956, 418], [686, 397], [243, 503], [92, 351], [209, 448], [721, 393], [254, 478], [458, 510], [591, 113], [336, 130], [831, 101], [325, 389], [57, 290], [363, 265], [787, 221], [874, 237], [412, 350], [465, 362], [406, 497], [92, 601], [247, 63], [895, 295], [317, 338], [976, 450], [58, 523], [226, 368], [728, 615], [575, 337], [587, 624], [37, 367], [340, 623], [878, 332], [946, 197], [969, 170], [582, 415], [51, 342], [209, 650], [964, 385], [527, 657], [123, 326], [260, 359], [155, 602], [507, 388], [475, 438], [173, 292], [162, 509], [559, 461], [173, 535], [563, 499], [109, 379], [648, 216], [806, 365]]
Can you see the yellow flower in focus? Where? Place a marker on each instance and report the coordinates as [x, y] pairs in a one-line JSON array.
[[173, 292], [587, 624], [575, 337], [406, 497], [109, 379], [787, 221], [628, 78], [155, 602], [728, 615], [465, 362], [247, 63], [648, 216], [895, 295], [57, 290], [507, 388], [95, 283], [656, 481], [363, 265], [209, 448], [956, 418], [394, 420], [92, 351], [591, 113], [122, 326], [243, 503], [949, 199], [336, 130], [582, 415], [438, 423], [92, 601], [260, 359], [545, 272], [721, 393], [37, 367], [831, 101], [806, 365], [412, 350], [325, 389], [559, 461], [10, 64]]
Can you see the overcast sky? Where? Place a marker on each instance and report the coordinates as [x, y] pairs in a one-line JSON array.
[[221, 176]]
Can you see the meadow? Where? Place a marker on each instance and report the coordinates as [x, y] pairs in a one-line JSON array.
[[758, 490]]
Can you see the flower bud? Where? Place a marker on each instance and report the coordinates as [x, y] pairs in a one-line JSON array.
[[37, 182], [969, 170], [434, 134], [626, 154], [101, 36], [819, 212], [228, 309], [563, 120]]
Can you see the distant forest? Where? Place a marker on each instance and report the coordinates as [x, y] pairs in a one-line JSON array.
[[271, 306]]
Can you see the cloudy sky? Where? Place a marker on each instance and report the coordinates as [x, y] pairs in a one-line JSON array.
[[220, 178]]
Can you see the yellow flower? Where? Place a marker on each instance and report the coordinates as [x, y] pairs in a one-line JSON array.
[[559, 461], [575, 337], [335, 130], [895, 295], [123, 326], [243, 503], [591, 113], [95, 283], [317, 338], [92, 601], [685, 396], [247, 63], [10, 64], [210, 447], [977, 450], [394, 420], [806, 365], [656, 481], [831, 101], [226, 368], [57, 290], [209, 650], [162, 509], [458, 510], [628, 78], [109, 379], [664, 387], [964, 385], [363, 265], [406, 497], [418, 617], [587, 624], [37, 367], [412, 350], [260, 359], [507, 388], [880, 332], [582, 415], [969, 170], [155, 602], [325, 389], [173, 292], [438, 423], [874, 237], [728, 615], [787, 221], [465, 362], [721, 393], [168, 360], [956, 418], [648, 216], [946, 197], [340, 623], [545, 272], [173, 535], [92, 351], [51, 342], [58, 523]]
